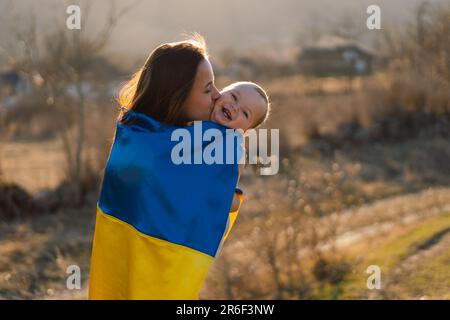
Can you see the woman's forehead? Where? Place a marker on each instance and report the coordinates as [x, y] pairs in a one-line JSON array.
[[205, 69]]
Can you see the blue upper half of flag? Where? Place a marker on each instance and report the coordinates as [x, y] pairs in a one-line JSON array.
[[185, 204]]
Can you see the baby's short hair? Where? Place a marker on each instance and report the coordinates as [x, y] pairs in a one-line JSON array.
[[262, 93]]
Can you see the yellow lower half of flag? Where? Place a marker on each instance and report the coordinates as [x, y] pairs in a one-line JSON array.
[[127, 264]]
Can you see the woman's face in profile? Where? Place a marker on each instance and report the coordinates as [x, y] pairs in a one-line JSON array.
[[200, 102]]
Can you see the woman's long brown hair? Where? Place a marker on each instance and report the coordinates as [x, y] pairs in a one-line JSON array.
[[161, 86]]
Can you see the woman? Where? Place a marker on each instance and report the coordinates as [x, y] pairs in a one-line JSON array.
[[159, 226]]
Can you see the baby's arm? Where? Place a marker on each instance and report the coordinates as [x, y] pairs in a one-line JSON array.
[[235, 204], [236, 201]]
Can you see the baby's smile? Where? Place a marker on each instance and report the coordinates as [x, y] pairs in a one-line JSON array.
[[227, 113], [222, 113]]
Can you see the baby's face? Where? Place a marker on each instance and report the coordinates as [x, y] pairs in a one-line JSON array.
[[239, 107]]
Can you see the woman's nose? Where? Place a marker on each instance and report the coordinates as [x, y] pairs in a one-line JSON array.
[[216, 94]]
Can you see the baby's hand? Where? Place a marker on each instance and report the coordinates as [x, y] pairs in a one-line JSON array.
[[236, 200]]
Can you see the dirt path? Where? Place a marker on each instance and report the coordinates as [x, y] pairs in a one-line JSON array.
[[378, 228], [377, 218], [366, 222]]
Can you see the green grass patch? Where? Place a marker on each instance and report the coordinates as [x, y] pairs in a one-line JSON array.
[[431, 278], [388, 252]]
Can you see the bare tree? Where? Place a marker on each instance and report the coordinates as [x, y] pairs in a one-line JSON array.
[[65, 59], [4, 136]]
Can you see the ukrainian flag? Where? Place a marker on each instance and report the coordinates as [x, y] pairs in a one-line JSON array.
[[159, 226]]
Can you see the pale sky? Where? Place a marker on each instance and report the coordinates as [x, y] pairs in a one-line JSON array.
[[239, 25]]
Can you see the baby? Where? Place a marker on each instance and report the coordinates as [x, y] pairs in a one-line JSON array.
[[242, 105]]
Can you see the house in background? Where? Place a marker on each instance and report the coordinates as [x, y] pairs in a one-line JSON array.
[[335, 56], [12, 85], [14, 80]]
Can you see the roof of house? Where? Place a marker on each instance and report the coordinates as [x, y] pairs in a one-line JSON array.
[[330, 42], [10, 77]]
